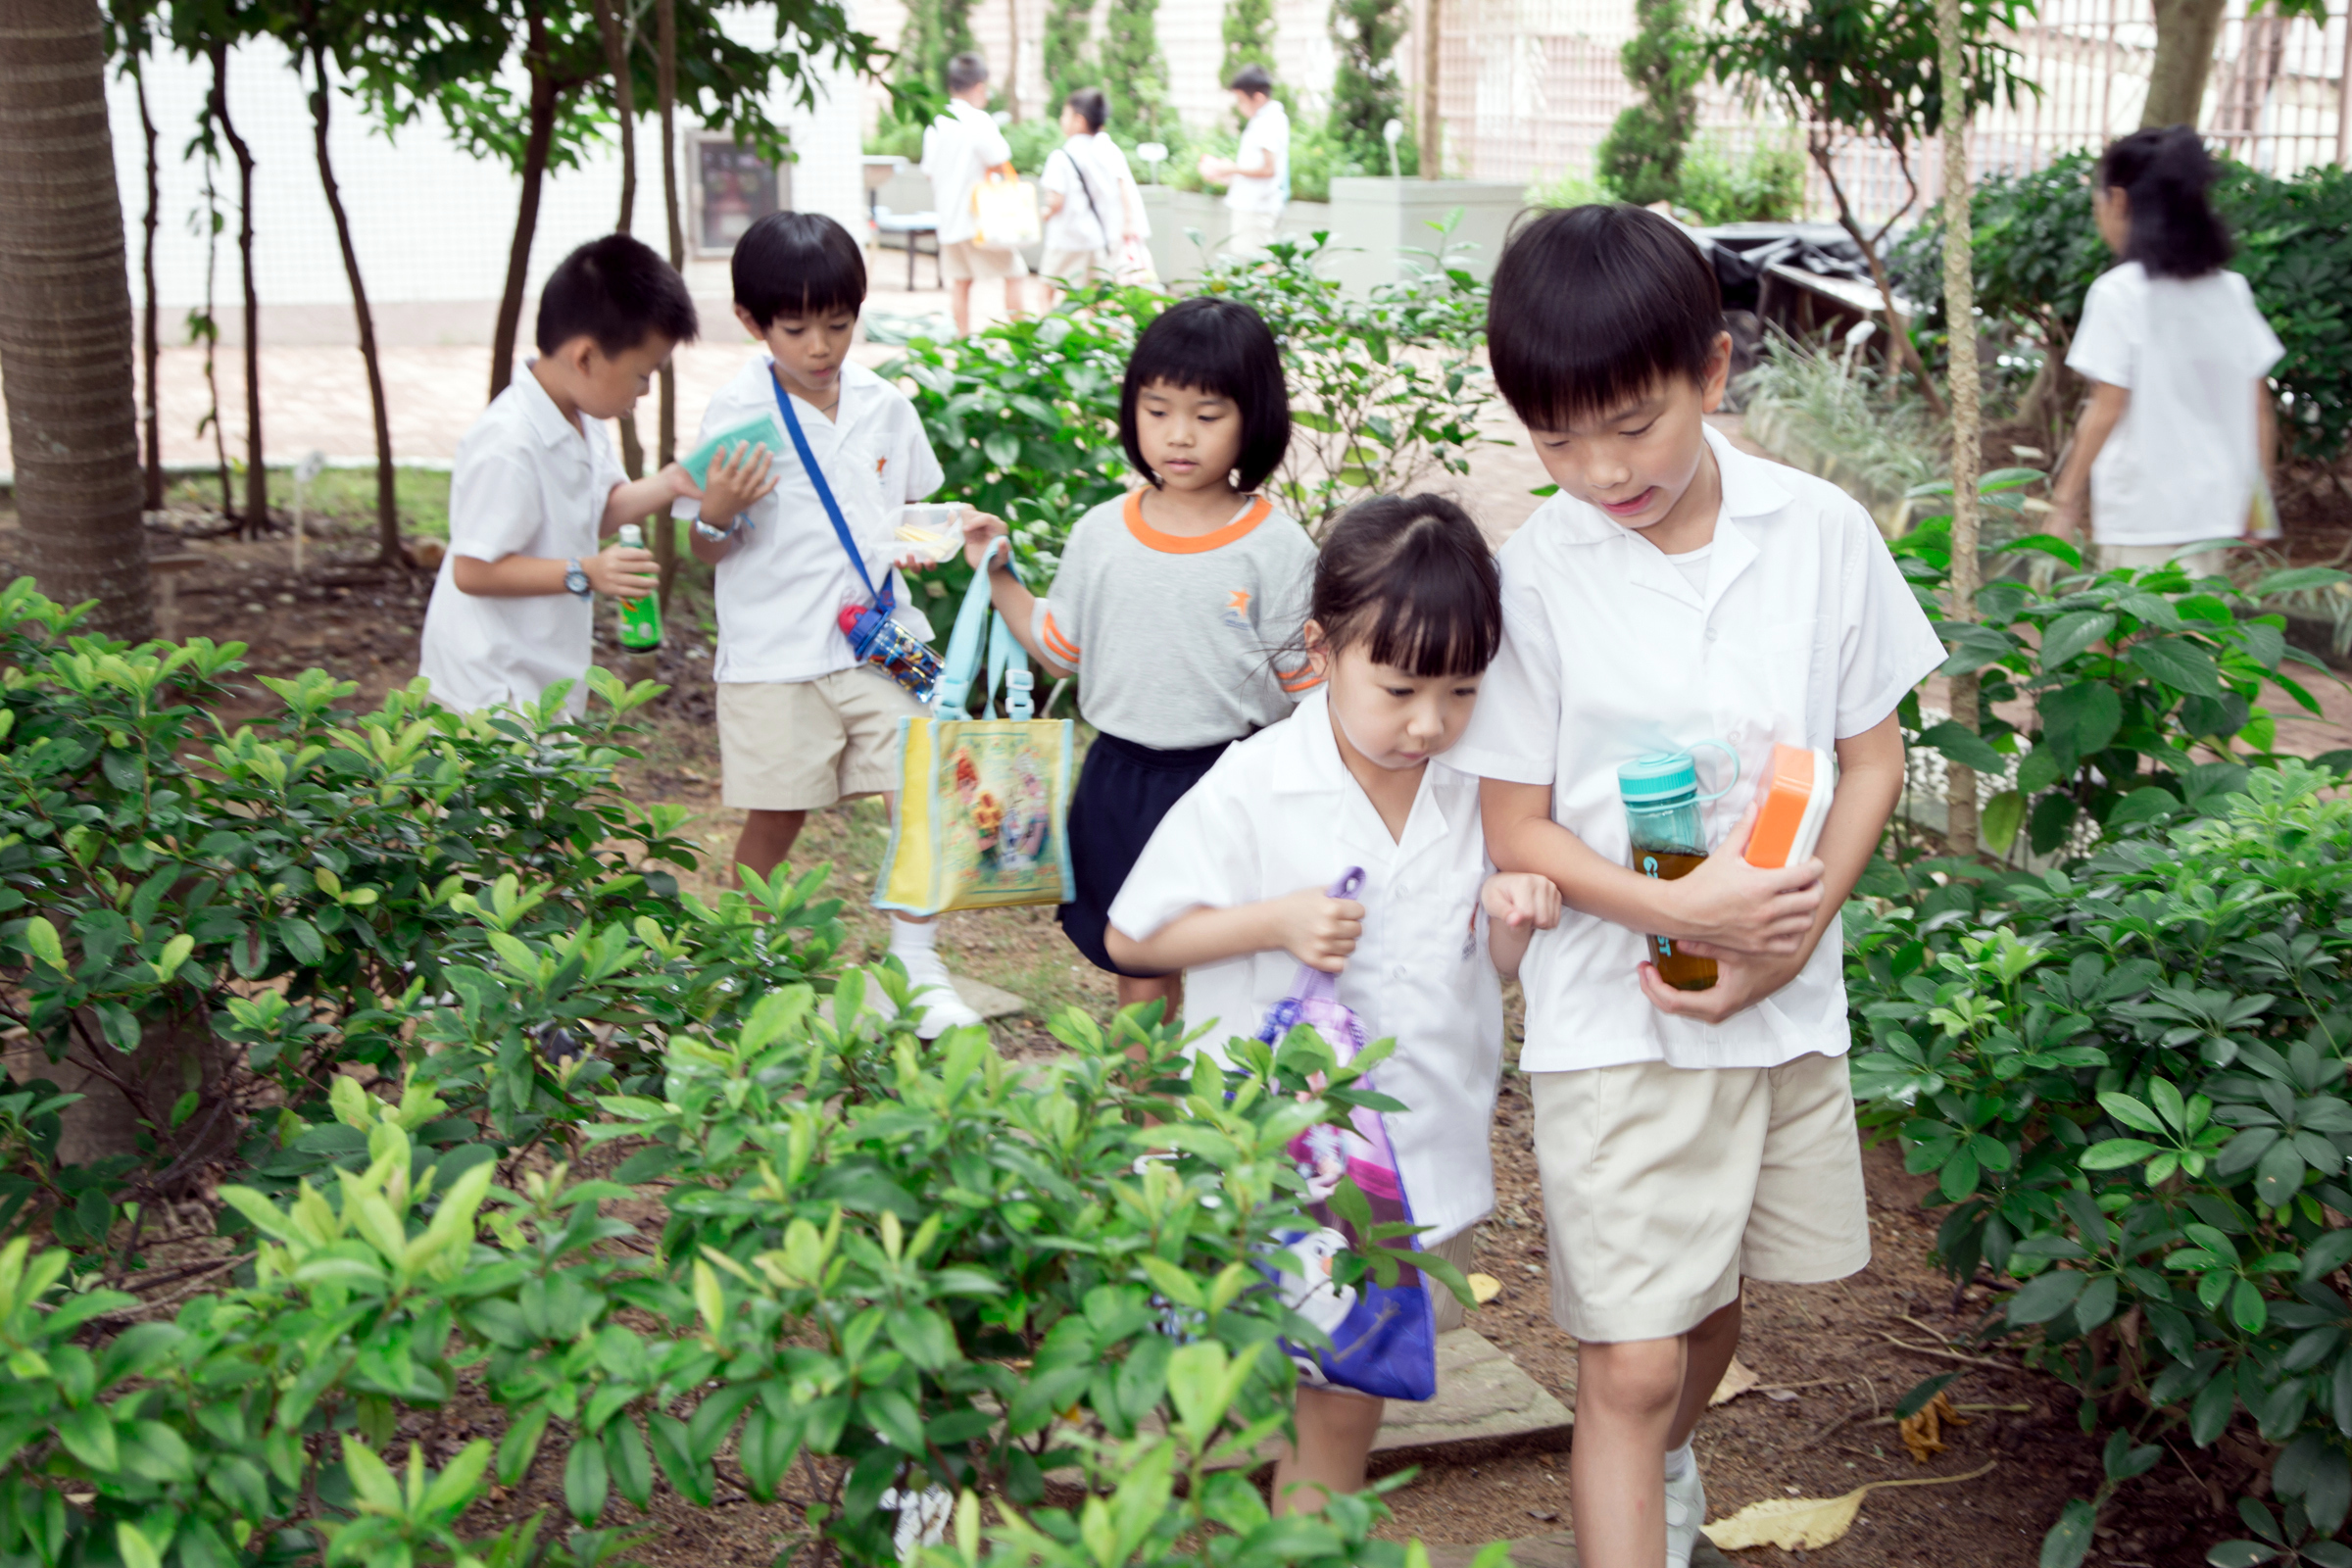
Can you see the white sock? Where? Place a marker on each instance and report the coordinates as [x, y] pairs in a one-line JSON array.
[[1679, 1462], [910, 936]]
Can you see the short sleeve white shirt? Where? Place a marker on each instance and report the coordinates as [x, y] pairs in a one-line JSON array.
[[527, 482], [1090, 196], [780, 590], [1268, 131], [1806, 633], [2183, 462], [959, 148], [1280, 811]]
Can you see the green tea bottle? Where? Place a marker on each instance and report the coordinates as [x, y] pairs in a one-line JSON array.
[[640, 618]]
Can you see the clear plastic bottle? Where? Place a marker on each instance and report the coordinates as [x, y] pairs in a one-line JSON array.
[[640, 618]]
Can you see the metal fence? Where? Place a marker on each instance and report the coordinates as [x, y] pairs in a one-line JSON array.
[[1529, 87]]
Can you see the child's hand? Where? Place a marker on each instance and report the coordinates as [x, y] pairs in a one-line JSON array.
[[623, 571], [1726, 908], [979, 531], [924, 560], [2064, 520], [1740, 982], [1316, 928], [681, 483], [1522, 898], [737, 482]]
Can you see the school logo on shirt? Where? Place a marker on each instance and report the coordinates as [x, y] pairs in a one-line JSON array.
[[1237, 610]]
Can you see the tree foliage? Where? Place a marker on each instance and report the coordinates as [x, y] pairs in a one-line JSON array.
[[1640, 158], [1134, 73], [1248, 30], [1366, 89]]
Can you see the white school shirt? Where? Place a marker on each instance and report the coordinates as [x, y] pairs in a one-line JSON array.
[[780, 591], [2182, 465], [526, 482], [961, 147], [1078, 170], [1280, 811], [1269, 130], [1807, 633]]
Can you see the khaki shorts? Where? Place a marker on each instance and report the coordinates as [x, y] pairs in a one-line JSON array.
[[1075, 268], [801, 745], [1662, 1185], [962, 259]]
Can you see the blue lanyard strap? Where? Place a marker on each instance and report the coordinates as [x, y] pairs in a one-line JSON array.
[[886, 600]]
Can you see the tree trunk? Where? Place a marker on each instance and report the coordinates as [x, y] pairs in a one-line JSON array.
[[65, 318], [257, 473], [387, 510], [540, 137], [665, 87], [1012, 66], [624, 104], [1900, 356], [2186, 31], [150, 348], [1960, 313], [1432, 128]]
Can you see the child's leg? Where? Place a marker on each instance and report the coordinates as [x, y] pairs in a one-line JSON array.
[[767, 840], [1708, 1351], [1626, 1396], [1168, 989], [1335, 1429]]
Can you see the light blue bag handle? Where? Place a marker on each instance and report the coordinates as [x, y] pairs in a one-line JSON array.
[[962, 662]]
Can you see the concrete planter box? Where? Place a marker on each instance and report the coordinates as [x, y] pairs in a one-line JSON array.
[[1371, 223], [1174, 213]]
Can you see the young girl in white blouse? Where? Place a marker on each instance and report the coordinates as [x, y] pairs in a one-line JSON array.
[[1406, 615]]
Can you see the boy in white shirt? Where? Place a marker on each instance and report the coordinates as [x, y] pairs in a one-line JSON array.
[[1675, 591], [1257, 176], [536, 485], [803, 721], [959, 149]]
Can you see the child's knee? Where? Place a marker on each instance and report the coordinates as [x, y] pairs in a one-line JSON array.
[[1632, 1377]]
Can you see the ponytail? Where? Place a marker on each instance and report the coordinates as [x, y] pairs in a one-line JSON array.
[[2165, 174]]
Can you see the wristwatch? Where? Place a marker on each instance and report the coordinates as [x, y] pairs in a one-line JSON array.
[[704, 530], [576, 579]]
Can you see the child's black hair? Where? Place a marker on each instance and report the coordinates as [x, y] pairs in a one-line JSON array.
[[965, 72], [1251, 78], [617, 291], [797, 264], [2165, 174], [1218, 346], [1091, 107], [1410, 580], [1593, 308]]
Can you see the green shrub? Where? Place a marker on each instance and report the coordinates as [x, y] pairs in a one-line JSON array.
[[1766, 184], [1640, 158], [2037, 253], [2128, 1079]]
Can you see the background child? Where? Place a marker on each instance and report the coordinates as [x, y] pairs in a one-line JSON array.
[[1676, 590], [1257, 176], [1079, 193], [1170, 599], [536, 485], [803, 721], [960, 150], [1407, 615], [2180, 430]]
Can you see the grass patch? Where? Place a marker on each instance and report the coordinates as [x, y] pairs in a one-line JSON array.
[[1860, 430], [341, 499]]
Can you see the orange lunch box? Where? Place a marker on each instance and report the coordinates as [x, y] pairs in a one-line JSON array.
[[1796, 802]]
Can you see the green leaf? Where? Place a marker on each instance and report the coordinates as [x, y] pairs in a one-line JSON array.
[[88, 1435], [586, 1481], [893, 1418], [1922, 1394], [626, 1458], [136, 1550], [2069, 1540], [2072, 633], [2114, 1154], [2044, 1297], [2180, 663], [924, 1335], [1965, 747], [2002, 816]]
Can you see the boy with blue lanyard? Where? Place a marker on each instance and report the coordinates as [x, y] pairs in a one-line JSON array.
[[803, 721]]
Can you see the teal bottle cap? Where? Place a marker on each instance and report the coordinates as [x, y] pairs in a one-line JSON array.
[[1659, 777]]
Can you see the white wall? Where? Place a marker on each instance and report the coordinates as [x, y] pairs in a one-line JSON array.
[[431, 224]]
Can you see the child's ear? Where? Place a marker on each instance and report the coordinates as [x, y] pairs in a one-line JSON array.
[[1718, 373], [749, 323], [1318, 650]]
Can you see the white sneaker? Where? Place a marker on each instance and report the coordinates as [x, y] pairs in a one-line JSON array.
[[1685, 1511], [932, 996]]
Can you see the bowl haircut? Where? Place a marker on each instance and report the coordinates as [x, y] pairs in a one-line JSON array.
[[798, 265], [618, 292], [1222, 348]]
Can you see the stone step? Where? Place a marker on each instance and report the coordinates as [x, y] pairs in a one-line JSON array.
[[1483, 1397]]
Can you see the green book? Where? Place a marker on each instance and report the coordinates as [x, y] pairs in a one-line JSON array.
[[759, 432]]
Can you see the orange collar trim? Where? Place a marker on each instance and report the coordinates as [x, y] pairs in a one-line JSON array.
[[1182, 544]]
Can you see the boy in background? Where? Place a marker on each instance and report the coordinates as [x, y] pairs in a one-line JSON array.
[[803, 721], [536, 486], [1257, 176], [960, 150], [1675, 591]]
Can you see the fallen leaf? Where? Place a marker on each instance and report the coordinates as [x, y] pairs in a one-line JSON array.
[[1804, 1523], [1923, 1434], [1738, 1379], [1484, 1288]]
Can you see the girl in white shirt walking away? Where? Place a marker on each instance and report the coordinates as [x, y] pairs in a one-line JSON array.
[[2175, 443], [1406, 615]]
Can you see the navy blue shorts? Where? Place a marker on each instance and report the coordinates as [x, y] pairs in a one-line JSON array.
[[1124, 791]]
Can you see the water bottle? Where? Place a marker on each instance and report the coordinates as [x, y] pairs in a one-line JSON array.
[[1662, 799], [889, 647], [640, 618]]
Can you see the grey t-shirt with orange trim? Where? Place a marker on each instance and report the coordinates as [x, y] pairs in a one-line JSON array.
[[1181, 641]]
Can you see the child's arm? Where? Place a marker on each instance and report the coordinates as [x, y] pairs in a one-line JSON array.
[[2072, 489], [737, 483], [2266, 435], [1309, 924], [1870, 781], [1724, 901], [638, 498], [623, 571], [1519, 904], [1012, 597]]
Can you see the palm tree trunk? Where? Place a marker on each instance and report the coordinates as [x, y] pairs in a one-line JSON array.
[[2186, 31], [665, 87], [1960, 312], [387, 510], [150, 347], [65, 318], [257, 475], [624, 104], [540, 137]]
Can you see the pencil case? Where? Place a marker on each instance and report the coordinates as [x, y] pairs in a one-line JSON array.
[[1795, 799], [759, 432]]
